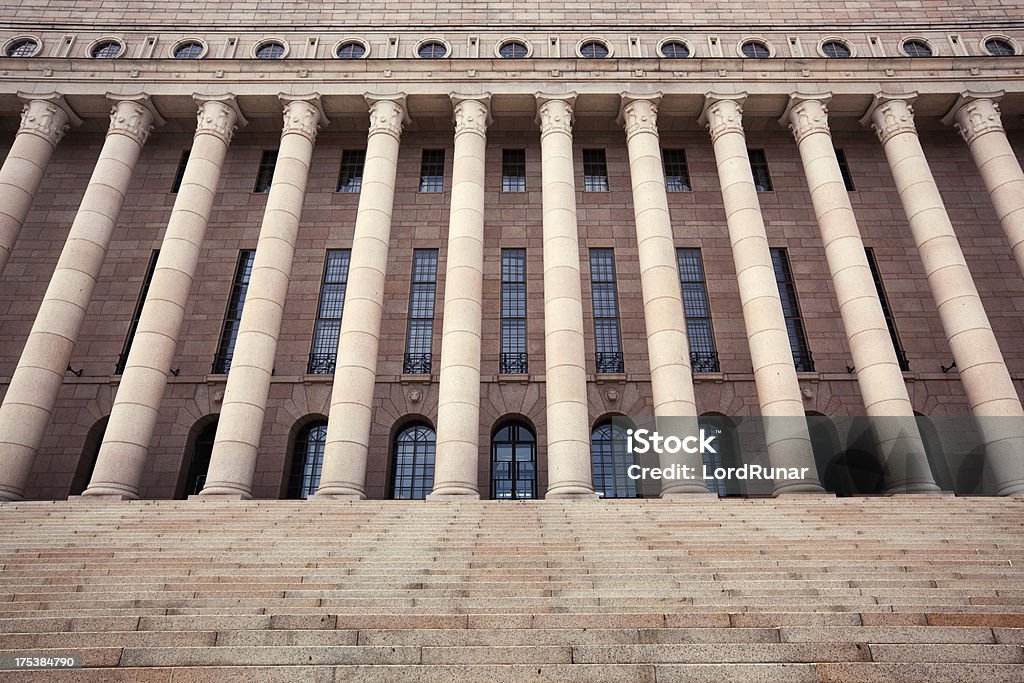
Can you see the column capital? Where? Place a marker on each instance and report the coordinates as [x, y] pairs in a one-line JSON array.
[[806, 114], [471, 113], [47, 115], [975, 113], [133, 116], [890, 114], [388, 114], [723, 113], [303, 115], [218, 115], [639, 113], [554, 112]]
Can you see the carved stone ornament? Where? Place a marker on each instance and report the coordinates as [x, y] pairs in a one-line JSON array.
[[45, 119], [640, 116], [415, 395], [891, 118], [131, 119], [807, 117], [724, 116], [555, 116], [387, 116], [217, 118], [301, 117], [976, 118], [471, 117]]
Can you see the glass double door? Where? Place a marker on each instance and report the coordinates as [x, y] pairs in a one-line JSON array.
[[514, 463]]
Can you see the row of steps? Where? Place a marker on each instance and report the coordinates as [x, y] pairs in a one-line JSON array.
[[790, 589]]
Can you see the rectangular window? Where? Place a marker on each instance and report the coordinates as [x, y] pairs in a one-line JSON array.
[[677, 175], [607, 341], [890, 322], [420, 336], [122, 360], [513, 170], [432, 171], [513, 359], [791, 310], [595, 171], [350, 177], [759, 168], [844, 168], [179, 175], [697, 307], [324, 352], [233, 316], [265, 174]]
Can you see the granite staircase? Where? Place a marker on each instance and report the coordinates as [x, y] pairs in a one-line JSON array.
[[792, 589]]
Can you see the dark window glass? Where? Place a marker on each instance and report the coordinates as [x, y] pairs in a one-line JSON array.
[[432, 171], [998, 47], [513, 49], [265, 173], [189, 50], [351, 50], [179, 174], [350, 176], [697, 307], [199, 464], [890, 322], [836, 49], [675, 50], [324, 353], [759, 169], [433, 50], [595, 171], [271, 50], [108, 49], [607, 341], [233, 316], [611, 461], [514, 463], [513, 312], [23, 48], [420, 336], [753, 49], [307, 461], [594, 50], [791, 310], [122, 360], [726, 453], [677, 175], [414, 463], [844, 169], [513, 170], [917, 48]]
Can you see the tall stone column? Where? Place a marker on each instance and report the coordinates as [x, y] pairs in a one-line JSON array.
[[458, 410], [44, 120], [878, 371], [778, 391], [667, 345], [32, 394], [233, 461], [351, 415], [986, 380], [976, 117], [133, 418], [568, 424]]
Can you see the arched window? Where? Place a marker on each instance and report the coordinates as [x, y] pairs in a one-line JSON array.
[[726, 453], [755, 49], [514, 49], [594, 49], [28, 47], [190, 49], [432, 50], [513, 462], [307, 460], [917, 48], [270, 49], [352, 49], [1000, 47], [611, 460], [106, 49], [414, 463], [90, 452], [836, 49], [199, 463]]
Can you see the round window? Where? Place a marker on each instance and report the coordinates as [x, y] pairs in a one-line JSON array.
[[433, 50], [106, 49], [513, 49], [190, 49], [593, 49], [270, 50], [836, 49], [351, 50], [917, 48], [675, 49], [755, 49], [24, 47], [999, 47]]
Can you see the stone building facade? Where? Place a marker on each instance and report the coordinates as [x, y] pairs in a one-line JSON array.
[[485, 139]]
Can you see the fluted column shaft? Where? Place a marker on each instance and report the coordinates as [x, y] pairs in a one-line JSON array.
[[458, 409], [568, 428], [778, 391], [44, 121], [668, 347], [351, 414], [878, 371], [37, 379], [236, 447], [980, 125], [122, 456], [986, 380]]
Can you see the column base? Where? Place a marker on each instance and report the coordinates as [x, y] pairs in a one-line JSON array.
[[804, 488], [1015, 489], [804, 494], [691, 488], [687, 495], [918, 494], [111, 491], [571, 496], [100, 496], [454, 493], [327, 497], [218, 496]]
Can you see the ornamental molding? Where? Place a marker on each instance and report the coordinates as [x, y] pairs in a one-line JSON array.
[[303, 115], [133, 116], [471, 113], [890, 115], [723, 114], [555, 113], [47, 116], [639, 114], [806, 115], [218, 115], [975, 114], [388, 114]]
